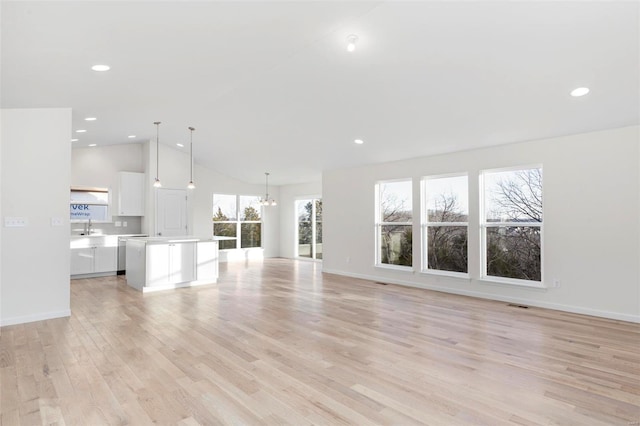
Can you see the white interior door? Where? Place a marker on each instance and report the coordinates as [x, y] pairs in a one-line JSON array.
[[171, 212]]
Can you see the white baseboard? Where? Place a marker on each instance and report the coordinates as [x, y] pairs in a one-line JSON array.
[[522, 301], [36, 317]]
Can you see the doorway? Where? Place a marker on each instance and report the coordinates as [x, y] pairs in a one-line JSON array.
[[309, 228]]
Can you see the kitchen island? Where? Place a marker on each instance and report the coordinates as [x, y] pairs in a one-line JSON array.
[[162, 263]]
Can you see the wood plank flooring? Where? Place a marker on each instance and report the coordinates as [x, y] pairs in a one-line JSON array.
[[280, 343]]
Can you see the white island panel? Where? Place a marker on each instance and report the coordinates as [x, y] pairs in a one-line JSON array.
[[167, 263]]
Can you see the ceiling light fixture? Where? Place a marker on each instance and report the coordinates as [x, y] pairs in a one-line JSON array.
[[101, 67], [81, 131], [131, 136], [358, 141], [75, 140], [352, 39], [180, 145], [580, 91], [93, 144], [266, 201], [157, 183], [90, 119], [191, 184]]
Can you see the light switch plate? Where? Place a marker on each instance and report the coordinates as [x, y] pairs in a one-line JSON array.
[[15, 222], [56, 221], [118, 224], [124, 224]]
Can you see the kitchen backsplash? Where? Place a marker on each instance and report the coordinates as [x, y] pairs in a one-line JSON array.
[[133, 226]]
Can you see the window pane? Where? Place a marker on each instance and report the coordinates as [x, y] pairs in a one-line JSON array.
[[224, 207], [514, 252], [249, 207], [447, 250], [304, 210], [395, 245], [250, 235], [395, 201], [304, 238], [318, 229], [513, 196], [447, 199], [225, 230], [88, 211]]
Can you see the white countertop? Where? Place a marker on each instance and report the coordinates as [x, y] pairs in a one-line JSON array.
[[178, 239], [75, 237]]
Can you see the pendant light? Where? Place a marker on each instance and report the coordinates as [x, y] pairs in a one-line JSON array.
[[191, 184], [157, 183], [266, 201]]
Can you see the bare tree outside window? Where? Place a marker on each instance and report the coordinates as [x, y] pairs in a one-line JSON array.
[[513, 219], [394, 223], [447, 223]]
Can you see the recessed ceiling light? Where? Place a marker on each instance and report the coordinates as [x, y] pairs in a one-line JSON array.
[[352, 39], [101, 67], [131, 136], [90, 119], [81, 131], [358, 141], [93, 144], [75, 140], [580, 91], [180, 145]]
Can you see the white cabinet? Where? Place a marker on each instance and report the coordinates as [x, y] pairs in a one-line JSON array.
[[81, 260], [171, 263], [94, 254], [93, 260], [105, 259], [130, 194], [159, 264]]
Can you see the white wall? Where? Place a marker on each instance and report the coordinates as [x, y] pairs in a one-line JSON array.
[[591, 222], [35, 185], [288, 221], [174, 173]]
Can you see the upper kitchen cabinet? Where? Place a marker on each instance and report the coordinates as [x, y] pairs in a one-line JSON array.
[[130, 194]]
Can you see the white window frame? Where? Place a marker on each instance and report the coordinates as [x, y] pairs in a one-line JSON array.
[[379, 224], [484, 225], [238, 222], [425, 224]]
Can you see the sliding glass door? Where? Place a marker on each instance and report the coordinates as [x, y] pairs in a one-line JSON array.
[[309, 215]]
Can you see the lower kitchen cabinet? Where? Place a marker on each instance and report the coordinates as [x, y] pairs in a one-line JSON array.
[[93, 260], [160, 263], [170, 263]]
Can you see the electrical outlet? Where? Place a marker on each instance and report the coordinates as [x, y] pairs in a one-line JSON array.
[[15, 222], [56, 221], [556, 283], [118, 224], [124, 224], [348, 260]]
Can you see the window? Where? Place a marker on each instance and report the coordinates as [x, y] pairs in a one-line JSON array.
[[89, 204], [512, 224], [237, 215], [309, 228], [445, 223], [394, 223]]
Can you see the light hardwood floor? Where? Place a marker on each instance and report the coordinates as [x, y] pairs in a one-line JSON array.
[[279, 343]]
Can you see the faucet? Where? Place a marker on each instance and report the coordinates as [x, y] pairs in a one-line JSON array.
[[87, 228]]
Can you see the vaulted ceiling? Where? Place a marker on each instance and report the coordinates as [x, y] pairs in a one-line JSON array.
[[270, 86]]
